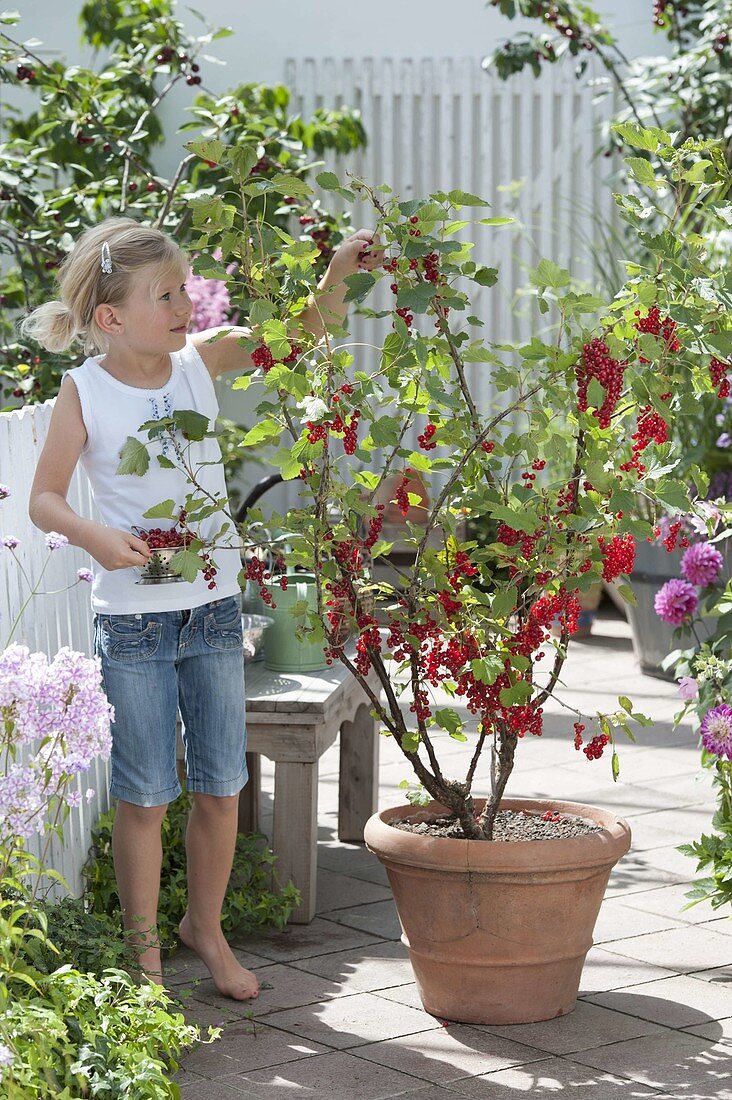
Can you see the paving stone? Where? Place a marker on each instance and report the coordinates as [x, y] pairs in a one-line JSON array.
[[252, 1044], [715, 1029], [342, 891], [617, 921], [380, 918], [551, 1075], [406, 994], [681, 1064], [345, 1022], [677, 950], [281, 987], [588, 1026], [201, 1088], [303, 941], [669, 901], [449, 1053], [185, 969], [721, 975], [380, 966], [679, 1001], [351, 859], [604, 970], [335, 1076]]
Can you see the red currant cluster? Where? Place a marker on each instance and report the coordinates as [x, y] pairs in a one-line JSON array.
[[597, 362], [350, 433], [168, 55], [720, 42], [449, 605], [509, 537], [462, 567], [432, 268], [651, 428], [369, 638], [718, 372], [406, 315], [25, 72], [568, 30], [618, 555], [488, 447], [254, 571], [674, 535], [375, 525], [579, 729], [263, 357], [425, 439], [402, 496], [210, 570], [593, 749], [537, 465], [158, 539], [414, 232], [657, 325], [553, 816]]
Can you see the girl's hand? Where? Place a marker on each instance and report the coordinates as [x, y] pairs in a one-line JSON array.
[[360, 252], [115, 549]]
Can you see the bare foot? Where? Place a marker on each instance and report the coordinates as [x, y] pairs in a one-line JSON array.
[[230, 978]]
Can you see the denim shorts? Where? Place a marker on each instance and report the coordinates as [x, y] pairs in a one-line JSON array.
[[154, 664]]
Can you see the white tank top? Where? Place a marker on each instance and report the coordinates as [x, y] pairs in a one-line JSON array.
[[112, 411]]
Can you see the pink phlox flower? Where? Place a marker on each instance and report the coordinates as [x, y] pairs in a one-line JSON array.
[[688, 688], [210, 298], [702, 564], [716, 730], [56, 541], [675, 601]]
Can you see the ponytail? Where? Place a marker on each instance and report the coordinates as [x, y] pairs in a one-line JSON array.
[[51, 325]]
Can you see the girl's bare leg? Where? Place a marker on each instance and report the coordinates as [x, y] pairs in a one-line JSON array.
[[138, 854], [210, 842]]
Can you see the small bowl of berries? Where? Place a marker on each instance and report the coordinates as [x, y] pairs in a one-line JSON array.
[[164, 546]]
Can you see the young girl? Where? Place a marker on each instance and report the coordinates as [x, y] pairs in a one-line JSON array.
[[123, 296]]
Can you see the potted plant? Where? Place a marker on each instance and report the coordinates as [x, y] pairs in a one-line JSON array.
[[519, 883]]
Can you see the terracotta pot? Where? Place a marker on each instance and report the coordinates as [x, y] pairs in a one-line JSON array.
[[416, 513], [498, 932]]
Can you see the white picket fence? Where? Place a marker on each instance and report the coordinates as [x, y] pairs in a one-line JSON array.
[[431, 125], [49, 621]]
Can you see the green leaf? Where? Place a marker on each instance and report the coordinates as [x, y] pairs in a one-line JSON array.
[[328, 181], [642, 170], [625, 703], [192, 424], [550, 274], [359, 286], [464, 198], [166, 510], [267, 431], [641, 137], [288, 465], [134, 458], [486, 276], [520, 692], [449, 719], [627, 593], [615, 765], [496, 221], [417, 298], [260, 311], [385, 431], [487, 669], [187, 564]]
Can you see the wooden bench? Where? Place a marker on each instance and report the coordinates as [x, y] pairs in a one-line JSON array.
[[292, 718]]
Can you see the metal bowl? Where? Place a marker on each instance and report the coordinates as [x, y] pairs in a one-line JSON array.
[[157, 568], [253, 630]]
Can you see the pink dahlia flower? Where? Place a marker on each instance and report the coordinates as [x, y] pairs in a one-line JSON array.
[[675, 601], [716, 731], [702, 564]]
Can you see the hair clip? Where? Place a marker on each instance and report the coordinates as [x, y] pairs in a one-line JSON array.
[[106, 259]]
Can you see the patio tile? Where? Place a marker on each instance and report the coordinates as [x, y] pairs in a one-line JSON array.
[[200, 1088], [681, 1064], [551, 1076], [245, 1045], [334, 1076], [679, 1001], [604, 970], [365, 970], [304, 941], [281, 987], [720, 975], [342, 891], [449, 1053], [617, 921], [184, 969], [677, 950], [716, 1030], [345, 1022], [352, 859], [589, 1025], [669, 901], [380, 919]]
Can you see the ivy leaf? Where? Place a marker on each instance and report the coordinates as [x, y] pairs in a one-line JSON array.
[[134, 458]]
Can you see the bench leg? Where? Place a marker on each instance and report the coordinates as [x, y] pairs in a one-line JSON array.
[[359, 774], [296, 832], [249, 821]]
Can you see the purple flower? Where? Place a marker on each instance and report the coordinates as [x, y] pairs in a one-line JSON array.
[[55, 541], [702, 564], [675, 601], [6, 1055], [688, 688], [85, 575], [724, 440], [716, 731], [9, 542], [210, 300], [5, 492]]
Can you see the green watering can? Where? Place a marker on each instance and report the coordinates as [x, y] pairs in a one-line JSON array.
[[283, 650]]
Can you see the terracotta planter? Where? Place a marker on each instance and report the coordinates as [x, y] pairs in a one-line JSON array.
[[498, 932]]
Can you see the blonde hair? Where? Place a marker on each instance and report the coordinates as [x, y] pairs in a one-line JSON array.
[[83, 284]]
